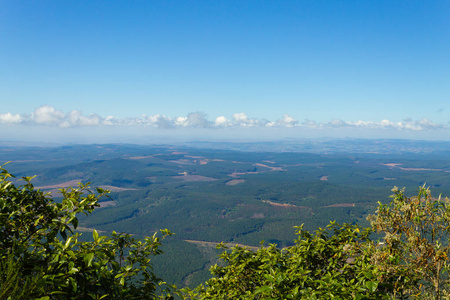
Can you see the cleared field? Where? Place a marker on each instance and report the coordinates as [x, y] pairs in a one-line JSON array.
[[235, 181], [194, 178]]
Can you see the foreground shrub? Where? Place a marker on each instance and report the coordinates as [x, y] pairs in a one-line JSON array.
[[41, 256], [411, 261], [413, 255], [319, 266]]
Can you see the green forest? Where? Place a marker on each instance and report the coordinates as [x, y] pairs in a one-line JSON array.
[[43, 258], [192, 223]]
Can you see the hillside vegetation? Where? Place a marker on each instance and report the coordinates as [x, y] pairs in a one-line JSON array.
[[42, 256]]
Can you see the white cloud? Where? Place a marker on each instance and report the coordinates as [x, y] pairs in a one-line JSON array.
[[222, 122], [9, 118], [338, 123], [407, 124], [50, 116], [310, 124], [422, 124], [76, 118], [241, 119], [47, 115], [386, 123], [197, 119], [159, 121], [181, 121], [109, 120], [287, 121]]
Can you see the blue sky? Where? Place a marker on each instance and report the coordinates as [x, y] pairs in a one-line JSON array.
[[199, 68]]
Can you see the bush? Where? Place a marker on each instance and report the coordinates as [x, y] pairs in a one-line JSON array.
[[413, 255], [42, 258], [409, 262], [319, 266]]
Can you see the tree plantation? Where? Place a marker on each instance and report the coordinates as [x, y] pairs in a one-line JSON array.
[[403, 254]]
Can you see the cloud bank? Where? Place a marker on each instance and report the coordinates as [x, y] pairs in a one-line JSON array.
[[50, 116]]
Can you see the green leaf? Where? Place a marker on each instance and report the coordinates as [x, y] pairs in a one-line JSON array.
[[75, 223], [372, 286], [263, 289], [88, 258], [95, 235], [73, 271]]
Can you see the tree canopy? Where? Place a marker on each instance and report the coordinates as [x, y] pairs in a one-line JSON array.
[[42, 257]]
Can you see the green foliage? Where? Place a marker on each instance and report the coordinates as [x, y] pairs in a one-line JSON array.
[[319, 266], [13, 284], [41, 256], [413, 257], [180, 258], [411, 261]]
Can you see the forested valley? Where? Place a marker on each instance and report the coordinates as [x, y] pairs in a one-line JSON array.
[[253, 204]]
